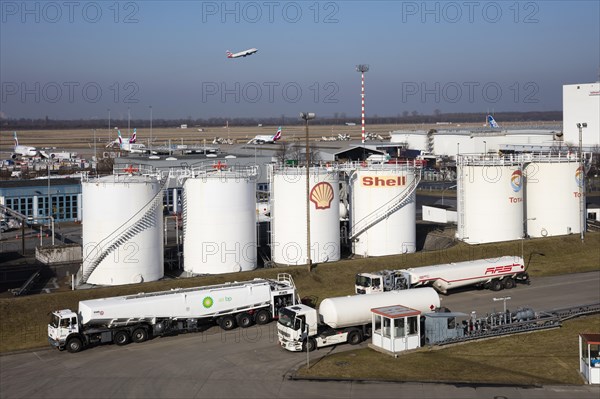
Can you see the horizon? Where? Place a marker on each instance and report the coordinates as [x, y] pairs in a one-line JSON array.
[[164, 60]]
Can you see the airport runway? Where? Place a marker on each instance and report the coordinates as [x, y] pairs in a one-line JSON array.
[[249, 363]]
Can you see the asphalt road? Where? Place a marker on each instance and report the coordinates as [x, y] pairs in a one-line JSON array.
[[249, 363]]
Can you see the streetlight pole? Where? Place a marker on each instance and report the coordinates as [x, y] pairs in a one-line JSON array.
[[523, 238], [151, 124], [307, 116], [581, 182]]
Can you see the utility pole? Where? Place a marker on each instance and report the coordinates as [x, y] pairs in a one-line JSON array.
[[307, 116]]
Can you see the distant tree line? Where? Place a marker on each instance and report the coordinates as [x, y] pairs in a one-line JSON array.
[[337, 119]]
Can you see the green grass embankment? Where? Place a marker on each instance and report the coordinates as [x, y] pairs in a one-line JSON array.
[[549, 357]]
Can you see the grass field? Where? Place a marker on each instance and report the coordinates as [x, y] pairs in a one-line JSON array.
[[24, 320], [537, 358]]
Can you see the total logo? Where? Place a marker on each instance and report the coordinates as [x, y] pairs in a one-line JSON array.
[[516, 181], [579, 176], [321, 195]]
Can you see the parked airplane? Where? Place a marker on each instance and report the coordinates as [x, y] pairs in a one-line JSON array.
[[120, 140], [492, 122], [244, 53], [266, 139], [23, 150]]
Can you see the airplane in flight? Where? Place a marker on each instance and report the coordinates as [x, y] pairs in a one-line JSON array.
[[266, 139], [244, 53], [23, 150], [492, 122]]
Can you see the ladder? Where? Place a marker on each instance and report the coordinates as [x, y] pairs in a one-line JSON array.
[[386, 210]]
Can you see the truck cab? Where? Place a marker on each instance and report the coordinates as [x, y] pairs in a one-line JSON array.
[[294, 324], [63, 323], [371, 283]]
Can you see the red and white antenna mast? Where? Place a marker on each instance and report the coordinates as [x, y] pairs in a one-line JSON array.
[[362, 68]]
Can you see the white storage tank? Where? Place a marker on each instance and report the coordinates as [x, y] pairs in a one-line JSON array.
[[355, 310], [490, 198], [219, 221], [552, 195], [288, 215], [383, 209], [122, 230]]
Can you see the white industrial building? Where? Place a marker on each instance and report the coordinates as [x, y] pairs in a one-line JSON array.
[[581, 104]]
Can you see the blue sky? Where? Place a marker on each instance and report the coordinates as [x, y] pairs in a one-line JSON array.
[[79, 60]]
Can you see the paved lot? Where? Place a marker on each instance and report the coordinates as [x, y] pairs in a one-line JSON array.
[[249, 363]]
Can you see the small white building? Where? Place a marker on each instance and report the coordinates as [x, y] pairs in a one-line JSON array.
[[396, 329], [589, 357]]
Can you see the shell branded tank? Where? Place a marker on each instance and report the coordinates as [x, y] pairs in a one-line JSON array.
[[489, 198], [552, 185], [383, 217], [288, 215], [122, 230], [219, 222]]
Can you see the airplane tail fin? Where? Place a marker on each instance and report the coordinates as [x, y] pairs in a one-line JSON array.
[[133, 138], [16, 139], [278, 134], [492, 122], [229, 54], [120, 138]]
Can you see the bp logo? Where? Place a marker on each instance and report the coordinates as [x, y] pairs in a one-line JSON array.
[[207, 302], [516, 181], [579, 176]]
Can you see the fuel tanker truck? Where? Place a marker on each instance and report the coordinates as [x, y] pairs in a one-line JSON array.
[[495, 274], [139, 317], [344, 319]]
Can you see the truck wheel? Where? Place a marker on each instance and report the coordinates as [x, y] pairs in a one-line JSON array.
[[496, 285], [244, 320], [74, 345], [354, 337], [227, 322], [509, 283], [121, 338], [263, 316], [311, 343], [139, 335]]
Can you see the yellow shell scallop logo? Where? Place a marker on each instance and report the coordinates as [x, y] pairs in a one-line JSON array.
[[322, 195]]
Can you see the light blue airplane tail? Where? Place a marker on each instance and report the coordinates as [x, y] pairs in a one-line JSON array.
[[492, 121]]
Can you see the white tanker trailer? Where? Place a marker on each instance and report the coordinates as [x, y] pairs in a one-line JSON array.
[[495, 274], [139, 317], [344, 319]]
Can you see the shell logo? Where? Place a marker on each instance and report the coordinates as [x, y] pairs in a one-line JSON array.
[[516, 181], [579, 176], [207, 302], [322, 195]]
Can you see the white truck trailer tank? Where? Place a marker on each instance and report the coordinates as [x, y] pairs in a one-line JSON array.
[[355, 310], [178, 303]]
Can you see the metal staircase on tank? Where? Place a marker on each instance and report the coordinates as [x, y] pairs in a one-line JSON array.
[[386, 210], [124, 232]]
